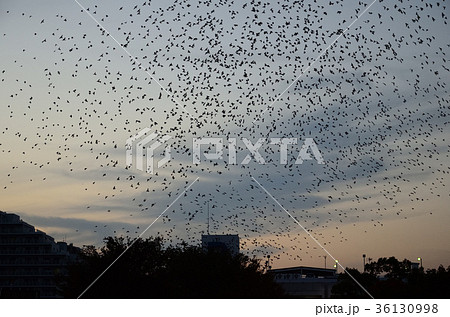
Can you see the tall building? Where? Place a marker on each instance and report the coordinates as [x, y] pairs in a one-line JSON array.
[[221, 242], [30, 260]]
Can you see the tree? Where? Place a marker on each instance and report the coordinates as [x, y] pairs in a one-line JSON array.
[[148, 270], [391, 267], [347, 287], [391, 278]]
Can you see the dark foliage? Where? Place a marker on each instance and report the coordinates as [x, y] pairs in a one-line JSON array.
[[391, 278], [148, 270]]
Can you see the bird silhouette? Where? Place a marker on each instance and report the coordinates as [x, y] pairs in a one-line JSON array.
[[370, 87]]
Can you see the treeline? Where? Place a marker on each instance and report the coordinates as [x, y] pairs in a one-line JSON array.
[[391, 278], [150, 270]]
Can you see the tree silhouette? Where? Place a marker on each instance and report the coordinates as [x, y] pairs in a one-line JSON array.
[[392, 267], [148, 270], [391, 278], [347, 288]]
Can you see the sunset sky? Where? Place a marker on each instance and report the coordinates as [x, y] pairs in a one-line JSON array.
[[373, 97]]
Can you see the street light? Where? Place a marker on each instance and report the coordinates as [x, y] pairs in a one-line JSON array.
[[336, 266], [420, 259]]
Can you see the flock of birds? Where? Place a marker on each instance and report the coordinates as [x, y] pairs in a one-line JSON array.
[[81, 80]]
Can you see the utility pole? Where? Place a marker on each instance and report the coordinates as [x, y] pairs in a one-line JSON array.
[[268, 267]]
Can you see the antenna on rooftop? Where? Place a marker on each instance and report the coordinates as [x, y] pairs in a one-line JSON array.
[[208, 217]]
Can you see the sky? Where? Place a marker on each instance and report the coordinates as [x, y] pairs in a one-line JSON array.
[[366, 81]]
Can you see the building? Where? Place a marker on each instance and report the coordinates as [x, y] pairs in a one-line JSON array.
[[30, 260], [415, 265], [305, 282], [226, 242]]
